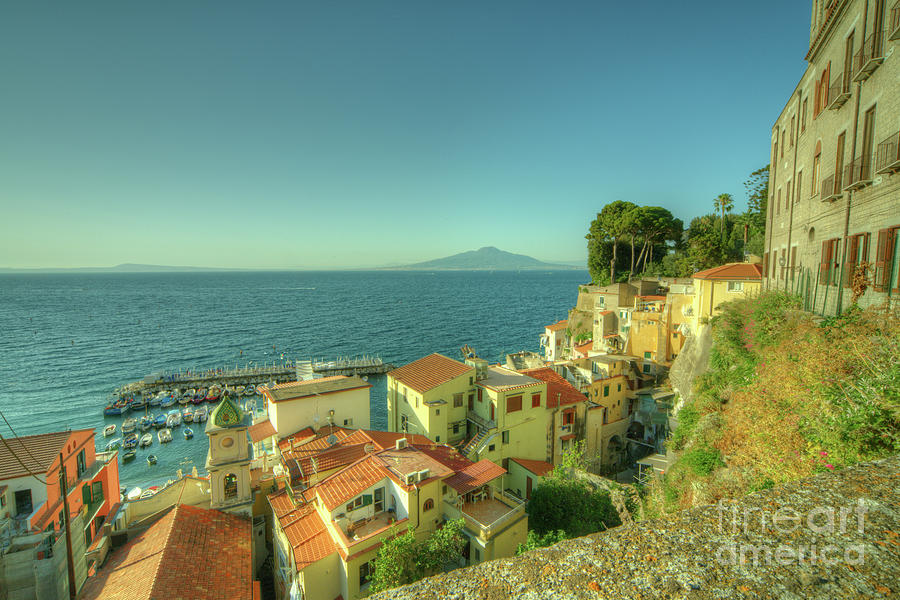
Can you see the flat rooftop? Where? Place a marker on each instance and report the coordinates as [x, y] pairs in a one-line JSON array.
[[314, 387], [501, 379]]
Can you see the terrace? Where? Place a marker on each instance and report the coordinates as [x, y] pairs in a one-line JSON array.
[[839, 91], [887, 157], [488, 516], [858, 173], [870, 55]]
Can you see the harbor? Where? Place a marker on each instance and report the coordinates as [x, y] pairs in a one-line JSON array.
[[255, 375]]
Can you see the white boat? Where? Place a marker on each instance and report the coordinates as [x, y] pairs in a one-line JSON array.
[[149, 492], [146, 440], [173, 420], [200, 414], [187, 415], [109, 430], [164, 435], [129, 425], [133, 494]]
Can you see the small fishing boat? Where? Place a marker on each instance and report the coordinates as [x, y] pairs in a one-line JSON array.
[[128, 455], [116, 408], [238, 390], [133, 494], [146, 440], [149, 492], [160, 421], [109, 430], [173, 419], [188, 434], [151, 459], [187, 415], [164, 435], [113, 444], [138, 403], [154, 400], [167, 401], [129, 425], [146, 422], [200, 414], [250, 390], [214, 393]]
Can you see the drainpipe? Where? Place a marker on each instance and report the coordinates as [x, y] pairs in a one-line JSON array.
[[796, 136], [840, 291]]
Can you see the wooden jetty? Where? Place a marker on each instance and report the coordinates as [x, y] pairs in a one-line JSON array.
[[277, 372]]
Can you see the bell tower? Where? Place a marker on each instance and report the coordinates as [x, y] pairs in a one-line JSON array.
[[228, 459]]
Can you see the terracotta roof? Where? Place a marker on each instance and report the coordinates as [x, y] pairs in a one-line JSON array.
[[261, 431], [585, 347], [475, 475], [321, 438], [293, 390], [538, 467], [559, 325], [559, 391], [429, 372], [445, 455], [347, 483], [605, 312], [190, 553], [654, 298], [304, 529], [732, 271], [568, 436], [35, 453]]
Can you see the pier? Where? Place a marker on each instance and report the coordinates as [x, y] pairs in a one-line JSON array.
[[277, 372]]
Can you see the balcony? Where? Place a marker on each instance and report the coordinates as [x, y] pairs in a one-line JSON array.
[[831, 188], [869, 56], [485, 518], [839, 91], [858, 173], [887, 157], [482, 423], [895, 22]]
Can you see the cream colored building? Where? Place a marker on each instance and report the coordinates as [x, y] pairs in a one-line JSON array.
[[834, 183], [556, 341], [327, 536], [715, 286], [338, 400]]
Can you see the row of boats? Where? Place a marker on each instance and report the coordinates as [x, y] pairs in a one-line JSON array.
[[168, 398], [173, 418]]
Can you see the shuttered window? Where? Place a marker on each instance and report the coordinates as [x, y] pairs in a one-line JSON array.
[[857, 252], [829, 266], [535, 400], [793, 260], [885, 248], [513, 404]]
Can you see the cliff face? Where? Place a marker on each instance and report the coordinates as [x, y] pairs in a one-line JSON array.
[[691, 362], [835, 535]]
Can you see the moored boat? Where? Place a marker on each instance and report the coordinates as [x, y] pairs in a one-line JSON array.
[[160, 421], [146, 440], [200, 414], [238, 390], [167, 401], [164, 435], [138, 403], [149, 492], [187, 415], [113, 444], [128, 455], [116, 408], [109, 430], [214, 393], [129, 425], [188, 434], [173, 419], [151, 459], [146, 422], [133, 494]]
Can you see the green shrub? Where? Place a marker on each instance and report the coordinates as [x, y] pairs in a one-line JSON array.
[[702, 460]]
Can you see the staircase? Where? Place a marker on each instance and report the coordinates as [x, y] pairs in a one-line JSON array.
[[473, 443]]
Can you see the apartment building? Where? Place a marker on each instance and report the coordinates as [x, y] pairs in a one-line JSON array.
[[834, 185], [336, 400], [555, 341], [327, 535], [721, 284]]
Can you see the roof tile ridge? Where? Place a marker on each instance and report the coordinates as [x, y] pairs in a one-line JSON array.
[[162, 555]]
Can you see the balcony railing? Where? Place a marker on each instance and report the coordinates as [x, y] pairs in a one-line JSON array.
[[887, 157], [894, 28], [486, 517], [858, 173], [869, 56], [830, 188], [482, 423], [839, 91]]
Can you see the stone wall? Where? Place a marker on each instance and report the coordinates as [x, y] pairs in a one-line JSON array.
[[809, 551], [692, 361]]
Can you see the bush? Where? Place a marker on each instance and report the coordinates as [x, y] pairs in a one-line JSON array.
[[702, 460], [571, 505]]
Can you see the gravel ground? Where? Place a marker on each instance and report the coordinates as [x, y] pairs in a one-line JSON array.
[[835, 535]]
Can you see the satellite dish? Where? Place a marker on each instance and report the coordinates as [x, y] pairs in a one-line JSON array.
[[331, 439]]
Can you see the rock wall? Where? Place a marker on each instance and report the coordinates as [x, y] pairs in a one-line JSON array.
[[836, 535], [692, 361]]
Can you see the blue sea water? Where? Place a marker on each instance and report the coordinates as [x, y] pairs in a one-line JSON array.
[[67, 340]]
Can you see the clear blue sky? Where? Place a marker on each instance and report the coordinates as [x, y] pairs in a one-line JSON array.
[[363, 133]]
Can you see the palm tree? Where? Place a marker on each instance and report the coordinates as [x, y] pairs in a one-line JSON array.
[[723, 203]]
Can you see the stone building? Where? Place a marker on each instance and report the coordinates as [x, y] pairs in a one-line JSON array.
[[834, 191]]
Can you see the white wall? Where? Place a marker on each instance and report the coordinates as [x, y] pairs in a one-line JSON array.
[[290, 416], [38, 492]]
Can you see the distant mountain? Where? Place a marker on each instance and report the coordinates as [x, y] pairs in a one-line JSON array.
[[483, 259]]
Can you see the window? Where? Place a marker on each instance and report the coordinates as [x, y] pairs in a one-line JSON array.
[[868, 140], [792, 132], [457, 400], [886, 259], [793, 261], [366, 571], [605, 421], [514, 404], [81, 463], [230, 486], [470, 381], [504, 436], [619, 388], [359, 502], [839, 163], [535, 400], [23, 502], [437, 412], [404, 423], [829, 266], [569, 417], [799, 191], [783, 262], [646, 368], [479, 395], [605, 391], [803, 116], [96, 492], [429, 504], [491, 448], [815, 168], [437, 438], [848, 61], [348, 422], [647, 354], [455, 428], [787, 196], [735, 286], [782, 143], [778, 202], [857, 252]]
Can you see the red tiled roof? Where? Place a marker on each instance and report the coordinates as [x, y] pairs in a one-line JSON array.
[[347, 483], [261, 431], [732, 271], [429, 372], [35, 453], [304, 529], [321, 439], [538, 467], [475, 475], [191, 552], [605, 312], [445, 455], [306, 382], [386, 439], [654, 298], [559, 391], [568, 436], [559, 325], [585, 347]]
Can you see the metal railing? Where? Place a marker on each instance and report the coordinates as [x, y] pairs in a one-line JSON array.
[[839, 91], [480, 421], [486, 530], [895, 22], [869, 56], [857, 173], [887, 157]]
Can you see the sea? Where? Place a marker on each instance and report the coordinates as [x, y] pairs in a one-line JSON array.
[[68, 340]]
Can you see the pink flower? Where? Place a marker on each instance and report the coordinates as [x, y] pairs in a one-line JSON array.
[[829, 467], [823, 453]]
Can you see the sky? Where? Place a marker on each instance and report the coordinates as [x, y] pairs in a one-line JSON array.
[[365, 133]]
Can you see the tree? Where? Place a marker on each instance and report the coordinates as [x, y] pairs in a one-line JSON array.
[[724, 203], [758, 192], [659, 227], [403, 559], [534, 540]]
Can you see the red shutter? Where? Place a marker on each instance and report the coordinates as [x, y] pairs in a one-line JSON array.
[[826, 260], [793, 261], [879, 278], [513, 404], [766, 263], [850, 262]]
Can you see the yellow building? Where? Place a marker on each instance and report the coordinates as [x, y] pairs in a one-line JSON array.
[[720, 284], [328, 535], [508, 417], [431, 396]]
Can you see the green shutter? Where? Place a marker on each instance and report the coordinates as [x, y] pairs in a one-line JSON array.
[[86, 493], [367, 499], [97, 491]]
